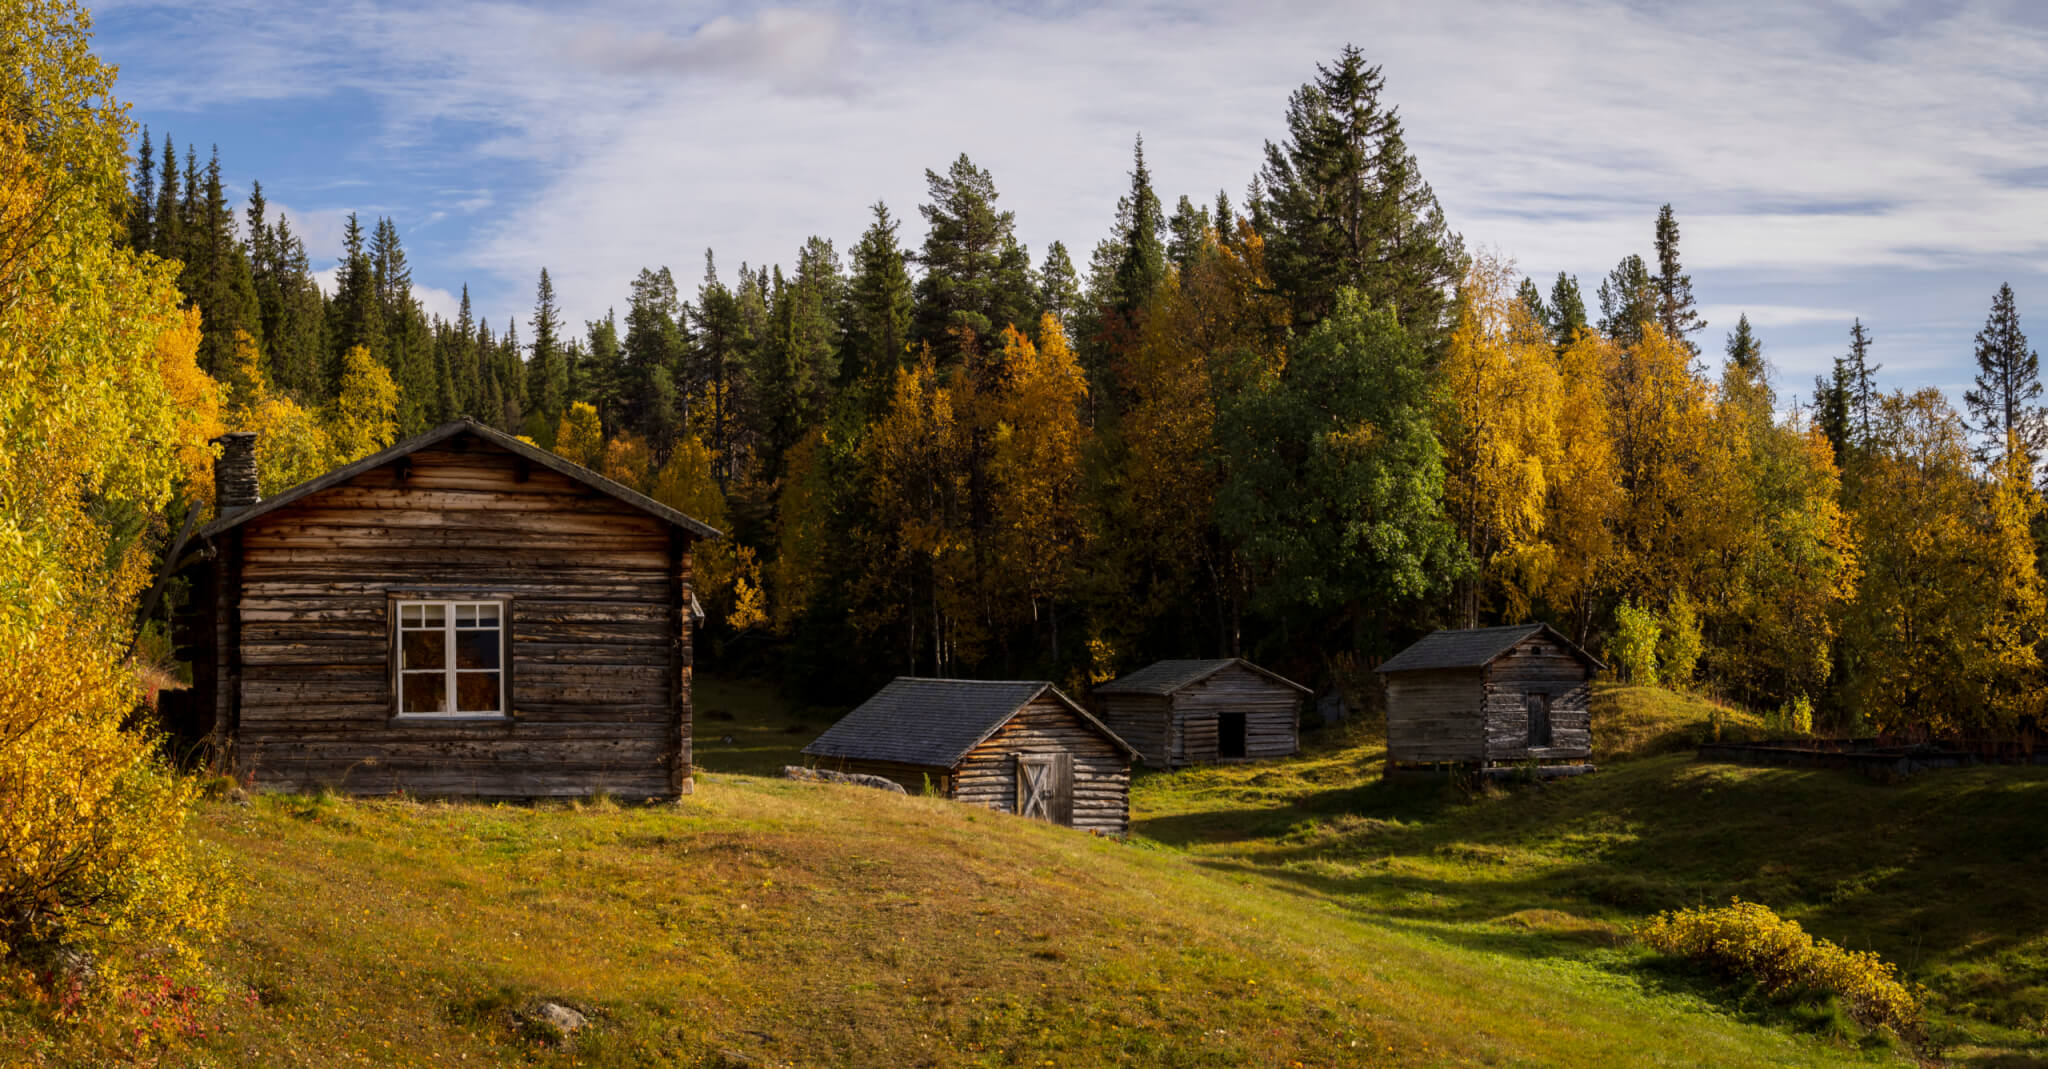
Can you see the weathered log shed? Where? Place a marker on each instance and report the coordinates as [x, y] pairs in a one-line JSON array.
[[1017, 747], [1490, 696], [1196, 712], [460, 614]]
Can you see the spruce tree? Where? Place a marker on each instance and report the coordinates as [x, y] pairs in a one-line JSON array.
[[1567, 311], [877, 310], [2003, 405], [1349, 209], [1187, 233], [1676, 312], [1628, 301], [354, 316], [653, 345], [142, 202], [1745, 352], [1832, 404], [1532, 300], [166, 233], [1223, 219], [216, 275], [547, 378], [1861, 384], [1141, 260], [1059, 288]]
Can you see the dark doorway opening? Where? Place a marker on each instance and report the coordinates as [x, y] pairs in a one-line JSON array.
[[1230, 735]]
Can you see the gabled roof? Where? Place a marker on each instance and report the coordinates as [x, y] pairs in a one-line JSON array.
[[936, 722], [1476, 648], [1166, 677], [441, 434]]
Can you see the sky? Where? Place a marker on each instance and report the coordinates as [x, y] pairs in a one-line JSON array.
[[1827, 161]]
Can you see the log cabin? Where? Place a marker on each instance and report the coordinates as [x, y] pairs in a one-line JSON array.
[[1490, 697], [460, 614], [1200, 712], [1018, 747]]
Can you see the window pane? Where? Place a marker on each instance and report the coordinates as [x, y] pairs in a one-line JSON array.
[[424, 649], [487, 614], [476, 649], [409, 615], [465, 616], [476, 692], [434, 615], [424, 692]]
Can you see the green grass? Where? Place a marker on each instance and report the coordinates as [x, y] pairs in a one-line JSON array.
[[813, 924], [1295, 912], [743, 725], [1943, 874]]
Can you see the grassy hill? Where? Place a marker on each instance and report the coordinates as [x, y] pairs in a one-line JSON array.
[[1301, 912]]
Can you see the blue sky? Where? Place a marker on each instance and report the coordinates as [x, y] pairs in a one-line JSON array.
[[1871, 158]]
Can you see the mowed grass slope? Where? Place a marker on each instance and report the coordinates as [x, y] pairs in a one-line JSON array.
[[767, 922], [1945, 874]]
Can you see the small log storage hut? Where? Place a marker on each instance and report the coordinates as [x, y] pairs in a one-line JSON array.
[[460, 614], [1198, 712], [1490, 696], [1016, 747]]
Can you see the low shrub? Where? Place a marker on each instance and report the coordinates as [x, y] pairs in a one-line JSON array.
[[1747, 942]]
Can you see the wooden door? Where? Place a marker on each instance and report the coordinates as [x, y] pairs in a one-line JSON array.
[[1045, 787], [1230, 735], [1538, 708]]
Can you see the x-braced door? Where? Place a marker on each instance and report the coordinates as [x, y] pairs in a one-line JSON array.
[[1045, 787]]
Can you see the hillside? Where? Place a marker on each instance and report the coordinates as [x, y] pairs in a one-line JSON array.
[[808, 924], [1940, 874]]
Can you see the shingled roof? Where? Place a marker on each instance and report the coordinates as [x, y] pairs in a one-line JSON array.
[[440, 434], [936, 722], [1476, 648], [1166, 677]]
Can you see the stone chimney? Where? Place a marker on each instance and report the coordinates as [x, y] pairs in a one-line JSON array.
[[234, 474]]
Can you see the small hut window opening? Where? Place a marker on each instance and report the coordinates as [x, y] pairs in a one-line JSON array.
[[451, 658], [1538, 706]]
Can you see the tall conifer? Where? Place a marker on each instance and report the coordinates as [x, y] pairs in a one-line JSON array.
[[2004, 404]]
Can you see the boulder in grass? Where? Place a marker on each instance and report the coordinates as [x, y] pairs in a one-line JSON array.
[[826, 775]]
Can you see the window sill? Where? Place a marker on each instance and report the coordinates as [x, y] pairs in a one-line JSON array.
[[451, 718]]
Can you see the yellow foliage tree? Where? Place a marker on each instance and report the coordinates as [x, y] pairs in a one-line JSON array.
[[92, 849], [195, 393], [801, 516], [364, 418], [685, 483], [1498, 424], [914, 548], [1035, 467], [580, 436], [628, 462], [1573, 567]]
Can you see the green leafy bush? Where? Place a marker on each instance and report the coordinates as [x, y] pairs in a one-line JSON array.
[[1635, 643]]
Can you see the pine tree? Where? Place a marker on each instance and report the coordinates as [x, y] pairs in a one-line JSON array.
[[1745, 353], [1567, 312], [1675, 310], [963, 258], [1349, 207], [650, 357], [2003, 405], [716, 367]]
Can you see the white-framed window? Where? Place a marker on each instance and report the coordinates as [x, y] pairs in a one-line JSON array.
[[451, 658]]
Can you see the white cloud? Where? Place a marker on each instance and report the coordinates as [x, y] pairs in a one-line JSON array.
[[1801, 146]]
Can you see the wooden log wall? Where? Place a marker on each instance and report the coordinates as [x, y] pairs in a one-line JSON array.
[[1272, 714], [1538, 666], [1143, 720], [1101, 773], [1436, 716], [598, 674]]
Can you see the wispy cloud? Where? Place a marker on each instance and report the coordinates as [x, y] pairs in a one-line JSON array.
[[1890, 143]]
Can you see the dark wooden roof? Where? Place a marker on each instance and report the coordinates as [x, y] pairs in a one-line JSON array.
[[1166, 677], [440, 434], [1476, 648], [936, 722]]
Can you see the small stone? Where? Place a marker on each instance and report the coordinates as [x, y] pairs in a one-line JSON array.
[[561, 1020]]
